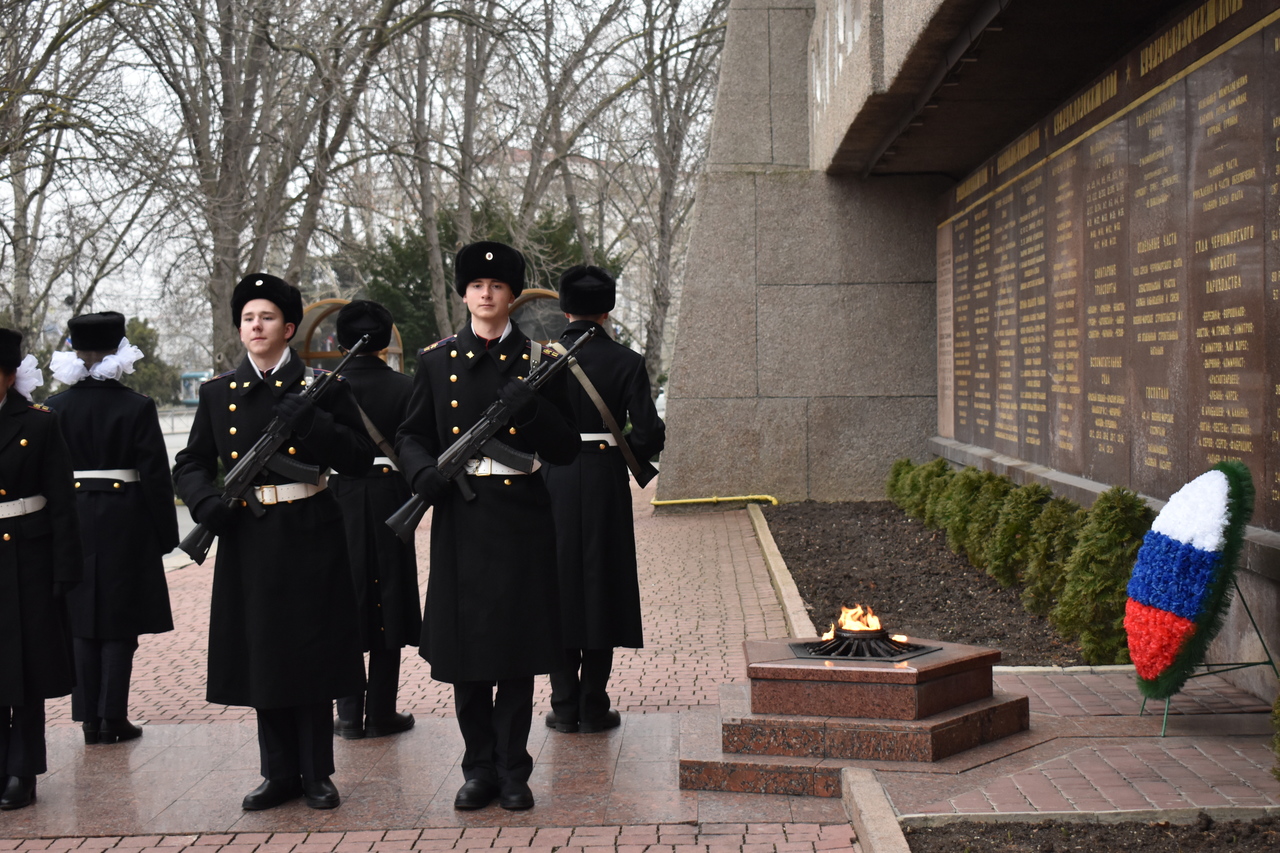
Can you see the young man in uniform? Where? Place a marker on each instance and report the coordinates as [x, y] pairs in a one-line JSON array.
[[384, 569], [283, 637], [128, 522], [591, 500], [491, 617]]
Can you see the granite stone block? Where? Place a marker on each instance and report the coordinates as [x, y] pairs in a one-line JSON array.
[[853, 441], [740, 125]]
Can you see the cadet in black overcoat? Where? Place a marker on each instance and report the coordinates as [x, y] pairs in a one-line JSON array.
[[124, 494], [384, 569], [492, 608], [283, 637], [591, 499], [40, 561]]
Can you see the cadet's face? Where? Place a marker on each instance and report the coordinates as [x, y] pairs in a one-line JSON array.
[[263, 330], [488, 299]]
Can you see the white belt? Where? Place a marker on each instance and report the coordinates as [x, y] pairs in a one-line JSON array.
[[269, 495], [606, 437], [487, 467], [124, 475], [383, 461], [22, 506]]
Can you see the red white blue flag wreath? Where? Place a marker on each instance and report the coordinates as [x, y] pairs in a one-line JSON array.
[[1181, 583]]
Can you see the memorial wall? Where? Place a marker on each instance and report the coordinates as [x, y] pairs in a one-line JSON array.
[[1109, 283]]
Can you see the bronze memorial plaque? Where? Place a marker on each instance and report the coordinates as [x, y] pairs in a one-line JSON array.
[[1066, 313], [1033, 297]]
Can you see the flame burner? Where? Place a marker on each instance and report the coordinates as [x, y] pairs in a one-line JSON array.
[[861, 645]]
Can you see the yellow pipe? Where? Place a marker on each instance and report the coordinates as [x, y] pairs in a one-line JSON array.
[[713, 500]]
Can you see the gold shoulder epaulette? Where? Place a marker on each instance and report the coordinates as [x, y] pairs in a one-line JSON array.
[[438, 343], [219, 376], [40, 407]]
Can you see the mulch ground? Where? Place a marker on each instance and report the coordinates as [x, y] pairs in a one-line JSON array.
[[873, 554]]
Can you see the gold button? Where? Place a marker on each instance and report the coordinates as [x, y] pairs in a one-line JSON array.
[[456, 430], [519, 377], [525, 356], [385, 470], [23, 442], [233, 386], [244, 503], [293, 451], [231, 408], [6, 537], [115, 485], [506, 482], [512, 430], [233, 430], [453, 353], [453, 377], [453, 403], [3, 492], [603, 445], [235, 455]]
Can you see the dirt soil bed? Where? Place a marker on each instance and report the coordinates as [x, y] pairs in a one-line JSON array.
[[873, 554]]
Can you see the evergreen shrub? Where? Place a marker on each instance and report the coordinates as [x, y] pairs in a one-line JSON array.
[[894, 485], [1053, 537], [954, 505], [1006, 555], [937, 488], [1094, 593], [917, 483], [984, 515]]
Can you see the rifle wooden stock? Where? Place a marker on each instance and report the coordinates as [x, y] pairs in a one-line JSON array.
[[453, 461], [239, 481]]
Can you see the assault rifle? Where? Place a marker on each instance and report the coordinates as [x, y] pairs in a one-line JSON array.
[[478, 441], [264, 454]]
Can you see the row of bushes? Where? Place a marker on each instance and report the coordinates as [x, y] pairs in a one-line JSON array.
[[1071, 564]]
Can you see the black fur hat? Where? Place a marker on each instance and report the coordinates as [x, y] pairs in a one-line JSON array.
[[364, 317], [488, 259], [99, 332], [587, 291], [263, 286], [10, 349]]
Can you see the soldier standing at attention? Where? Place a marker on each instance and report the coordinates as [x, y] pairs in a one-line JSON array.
[[492, 611], [128, 522], [40, 561], [591, 500], [283, 636], [384, 569]]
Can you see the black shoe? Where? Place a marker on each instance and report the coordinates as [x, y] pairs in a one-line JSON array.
[[610, 720], [516, 796], [90, 728], [393, 725], [554, 722], [113, 731], [19, 792], [475, 794], [321, 794], [348, 729], [272, 793]]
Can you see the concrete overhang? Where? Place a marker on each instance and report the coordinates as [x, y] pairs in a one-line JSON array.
[[938, 86]]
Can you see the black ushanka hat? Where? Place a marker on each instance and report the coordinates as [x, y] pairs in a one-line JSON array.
[[100, 332], [488, 259], [10, 349], [587, 291], [284, 295], [364, 317]]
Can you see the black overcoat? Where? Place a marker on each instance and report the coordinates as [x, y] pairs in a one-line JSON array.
[[125, 528], [591, 498], [282, 625], [492, 609], [384, 569], [37, 551]]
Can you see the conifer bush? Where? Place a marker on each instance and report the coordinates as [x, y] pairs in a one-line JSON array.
[[1053, 537], [1091, 608], [894, 485], [1007, 546], [954, 505], [984, 515], [937, 488], [917, 483]]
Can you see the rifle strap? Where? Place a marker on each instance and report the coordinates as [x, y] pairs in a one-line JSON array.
[[378, 438], [632, 463]]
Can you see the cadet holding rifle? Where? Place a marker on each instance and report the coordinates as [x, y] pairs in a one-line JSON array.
[[491, 617], [283, 634]]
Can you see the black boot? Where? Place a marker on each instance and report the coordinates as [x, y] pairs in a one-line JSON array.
[[19, 791], [114, 731]]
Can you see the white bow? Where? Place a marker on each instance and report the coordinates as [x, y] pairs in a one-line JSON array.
[[29, 377]]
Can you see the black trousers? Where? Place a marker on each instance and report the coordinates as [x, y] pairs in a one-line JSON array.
[[296, 741], [579, 691], [22, 751], [495, 729], [378, 702], [103, 671]]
